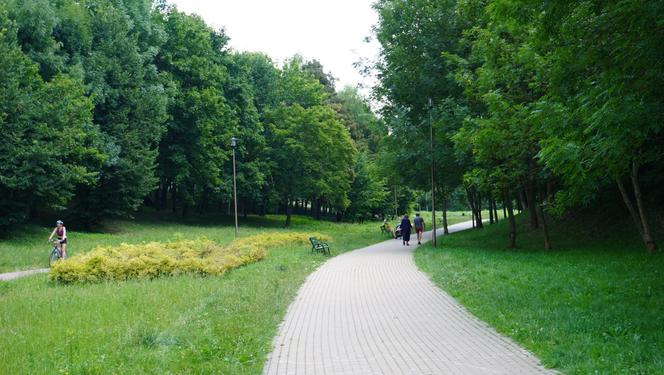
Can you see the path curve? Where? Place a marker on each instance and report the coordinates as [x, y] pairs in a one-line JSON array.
[[15, 275], [371, 311]]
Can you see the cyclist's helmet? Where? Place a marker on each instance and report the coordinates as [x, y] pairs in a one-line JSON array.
[[59, 222]]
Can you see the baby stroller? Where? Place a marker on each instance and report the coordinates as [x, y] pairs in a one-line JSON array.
[[397, 232]]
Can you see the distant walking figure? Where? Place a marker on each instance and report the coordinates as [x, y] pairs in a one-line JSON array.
[[419, 227], [406, 226]]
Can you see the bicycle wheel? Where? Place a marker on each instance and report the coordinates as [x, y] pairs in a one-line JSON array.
[[55, 255]]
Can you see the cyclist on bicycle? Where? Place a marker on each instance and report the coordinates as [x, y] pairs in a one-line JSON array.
[[61, 232]]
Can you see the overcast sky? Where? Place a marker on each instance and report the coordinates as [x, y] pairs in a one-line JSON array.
[[331, 31]]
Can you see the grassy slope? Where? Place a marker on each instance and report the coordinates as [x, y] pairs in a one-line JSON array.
[[170, 325], [593, 305]]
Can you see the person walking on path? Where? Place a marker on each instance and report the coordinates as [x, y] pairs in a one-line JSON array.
[[406, 226], [419, 227]]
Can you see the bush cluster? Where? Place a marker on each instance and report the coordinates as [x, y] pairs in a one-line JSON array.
[[154, 259]]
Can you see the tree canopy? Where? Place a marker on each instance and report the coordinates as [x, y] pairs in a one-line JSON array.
[[111, 105], [540, 103]]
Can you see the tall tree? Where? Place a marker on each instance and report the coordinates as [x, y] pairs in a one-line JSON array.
[[603, 112], [311, 154], [51, 146], [196, 146], [419, 90]]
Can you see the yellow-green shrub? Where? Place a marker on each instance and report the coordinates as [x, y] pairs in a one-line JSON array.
[[154, 259]]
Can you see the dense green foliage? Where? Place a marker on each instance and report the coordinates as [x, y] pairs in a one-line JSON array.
[[536, 102], [115, 104], [592, 307]]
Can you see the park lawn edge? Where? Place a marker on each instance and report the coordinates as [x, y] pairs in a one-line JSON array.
[[239, 345], [565, 306]]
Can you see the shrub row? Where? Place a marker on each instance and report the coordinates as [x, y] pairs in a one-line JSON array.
[[154, 259]]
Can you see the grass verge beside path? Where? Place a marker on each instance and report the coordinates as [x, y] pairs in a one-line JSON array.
[[186, 324], [593, 305]]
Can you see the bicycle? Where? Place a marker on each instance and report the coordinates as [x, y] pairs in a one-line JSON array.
[[56, 253]]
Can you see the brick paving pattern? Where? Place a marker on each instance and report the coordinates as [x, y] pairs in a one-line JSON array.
[[371, 311]]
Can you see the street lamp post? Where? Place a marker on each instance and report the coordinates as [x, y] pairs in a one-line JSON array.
[[396, 214], [233, 146], [433, 178]]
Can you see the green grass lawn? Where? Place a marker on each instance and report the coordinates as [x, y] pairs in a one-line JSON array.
[[178, 325], [594, 305]]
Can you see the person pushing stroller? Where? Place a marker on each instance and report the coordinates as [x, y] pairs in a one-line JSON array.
[[405, 227]]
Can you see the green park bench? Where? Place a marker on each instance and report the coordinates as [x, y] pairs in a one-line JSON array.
[[319, 246]]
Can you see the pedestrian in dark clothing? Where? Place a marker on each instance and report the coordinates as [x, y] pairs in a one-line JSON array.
[[406, 226]]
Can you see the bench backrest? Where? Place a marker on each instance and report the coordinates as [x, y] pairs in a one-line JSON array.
[[314, 241]]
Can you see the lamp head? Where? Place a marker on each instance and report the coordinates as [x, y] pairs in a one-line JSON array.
[[233, 142]]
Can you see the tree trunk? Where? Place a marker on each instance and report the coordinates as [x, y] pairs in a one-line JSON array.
[[521, 202], [510, 212], [469, 196], [174, 197], [504, 211], [490, 209], [157, 198], [478, 209], [444, 203], [262, 210], [647, 236], [202, 205], [532, 204], [289, 212], [495, 209], [317, 211], [630, 206], [545, 228], [164, 195], [549, 190]]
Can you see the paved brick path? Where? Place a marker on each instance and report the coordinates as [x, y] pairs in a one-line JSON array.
[[371, 311]]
